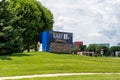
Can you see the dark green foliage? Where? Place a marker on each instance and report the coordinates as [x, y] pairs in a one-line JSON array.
[[21, 21], [91, 47], [10, 40], [98, 49], [102, 50], [82, 47], [113, 49], [34, 19]]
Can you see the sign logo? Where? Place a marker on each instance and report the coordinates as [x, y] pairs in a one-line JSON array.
[[61, 37]]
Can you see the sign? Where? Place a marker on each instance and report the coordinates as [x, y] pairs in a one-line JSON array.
[[61, 37]]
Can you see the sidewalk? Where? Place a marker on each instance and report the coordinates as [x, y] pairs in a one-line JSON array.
[[51, 75]]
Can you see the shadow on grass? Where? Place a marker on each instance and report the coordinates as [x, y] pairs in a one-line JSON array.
[[20, 54], [9, 57], [5, 58]]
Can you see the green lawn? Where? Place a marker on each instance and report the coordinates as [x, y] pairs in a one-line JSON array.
[[41, 63], [83, 77]]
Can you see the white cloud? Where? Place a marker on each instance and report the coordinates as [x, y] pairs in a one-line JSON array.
[[91, 21]]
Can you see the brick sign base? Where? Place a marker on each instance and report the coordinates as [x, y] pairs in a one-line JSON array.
[[60, 47]]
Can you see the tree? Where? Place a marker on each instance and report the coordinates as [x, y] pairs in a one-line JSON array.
[[34, 19], [113, 49], [82, 47], [102, 50], [10, 40], [91, 47]]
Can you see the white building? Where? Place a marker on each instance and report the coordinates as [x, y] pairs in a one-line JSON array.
[[117, 53]]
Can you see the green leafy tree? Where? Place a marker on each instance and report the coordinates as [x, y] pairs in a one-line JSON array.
[[34, 19], [91, 47], [113, 49], [82, 47], [102, 50], [10, 40]]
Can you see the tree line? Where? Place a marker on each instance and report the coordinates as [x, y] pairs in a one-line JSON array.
[[100, 50], [21, 21]]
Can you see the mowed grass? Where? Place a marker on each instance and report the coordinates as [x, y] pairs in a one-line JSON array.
[[43, 62], [82, 77]]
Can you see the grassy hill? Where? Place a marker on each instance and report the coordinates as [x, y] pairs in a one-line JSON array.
[[43, 62]]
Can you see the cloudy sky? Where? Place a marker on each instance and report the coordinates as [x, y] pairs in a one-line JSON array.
[[90, 21]]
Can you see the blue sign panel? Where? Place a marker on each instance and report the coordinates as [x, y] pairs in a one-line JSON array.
[[52, 41], [62, 37]]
